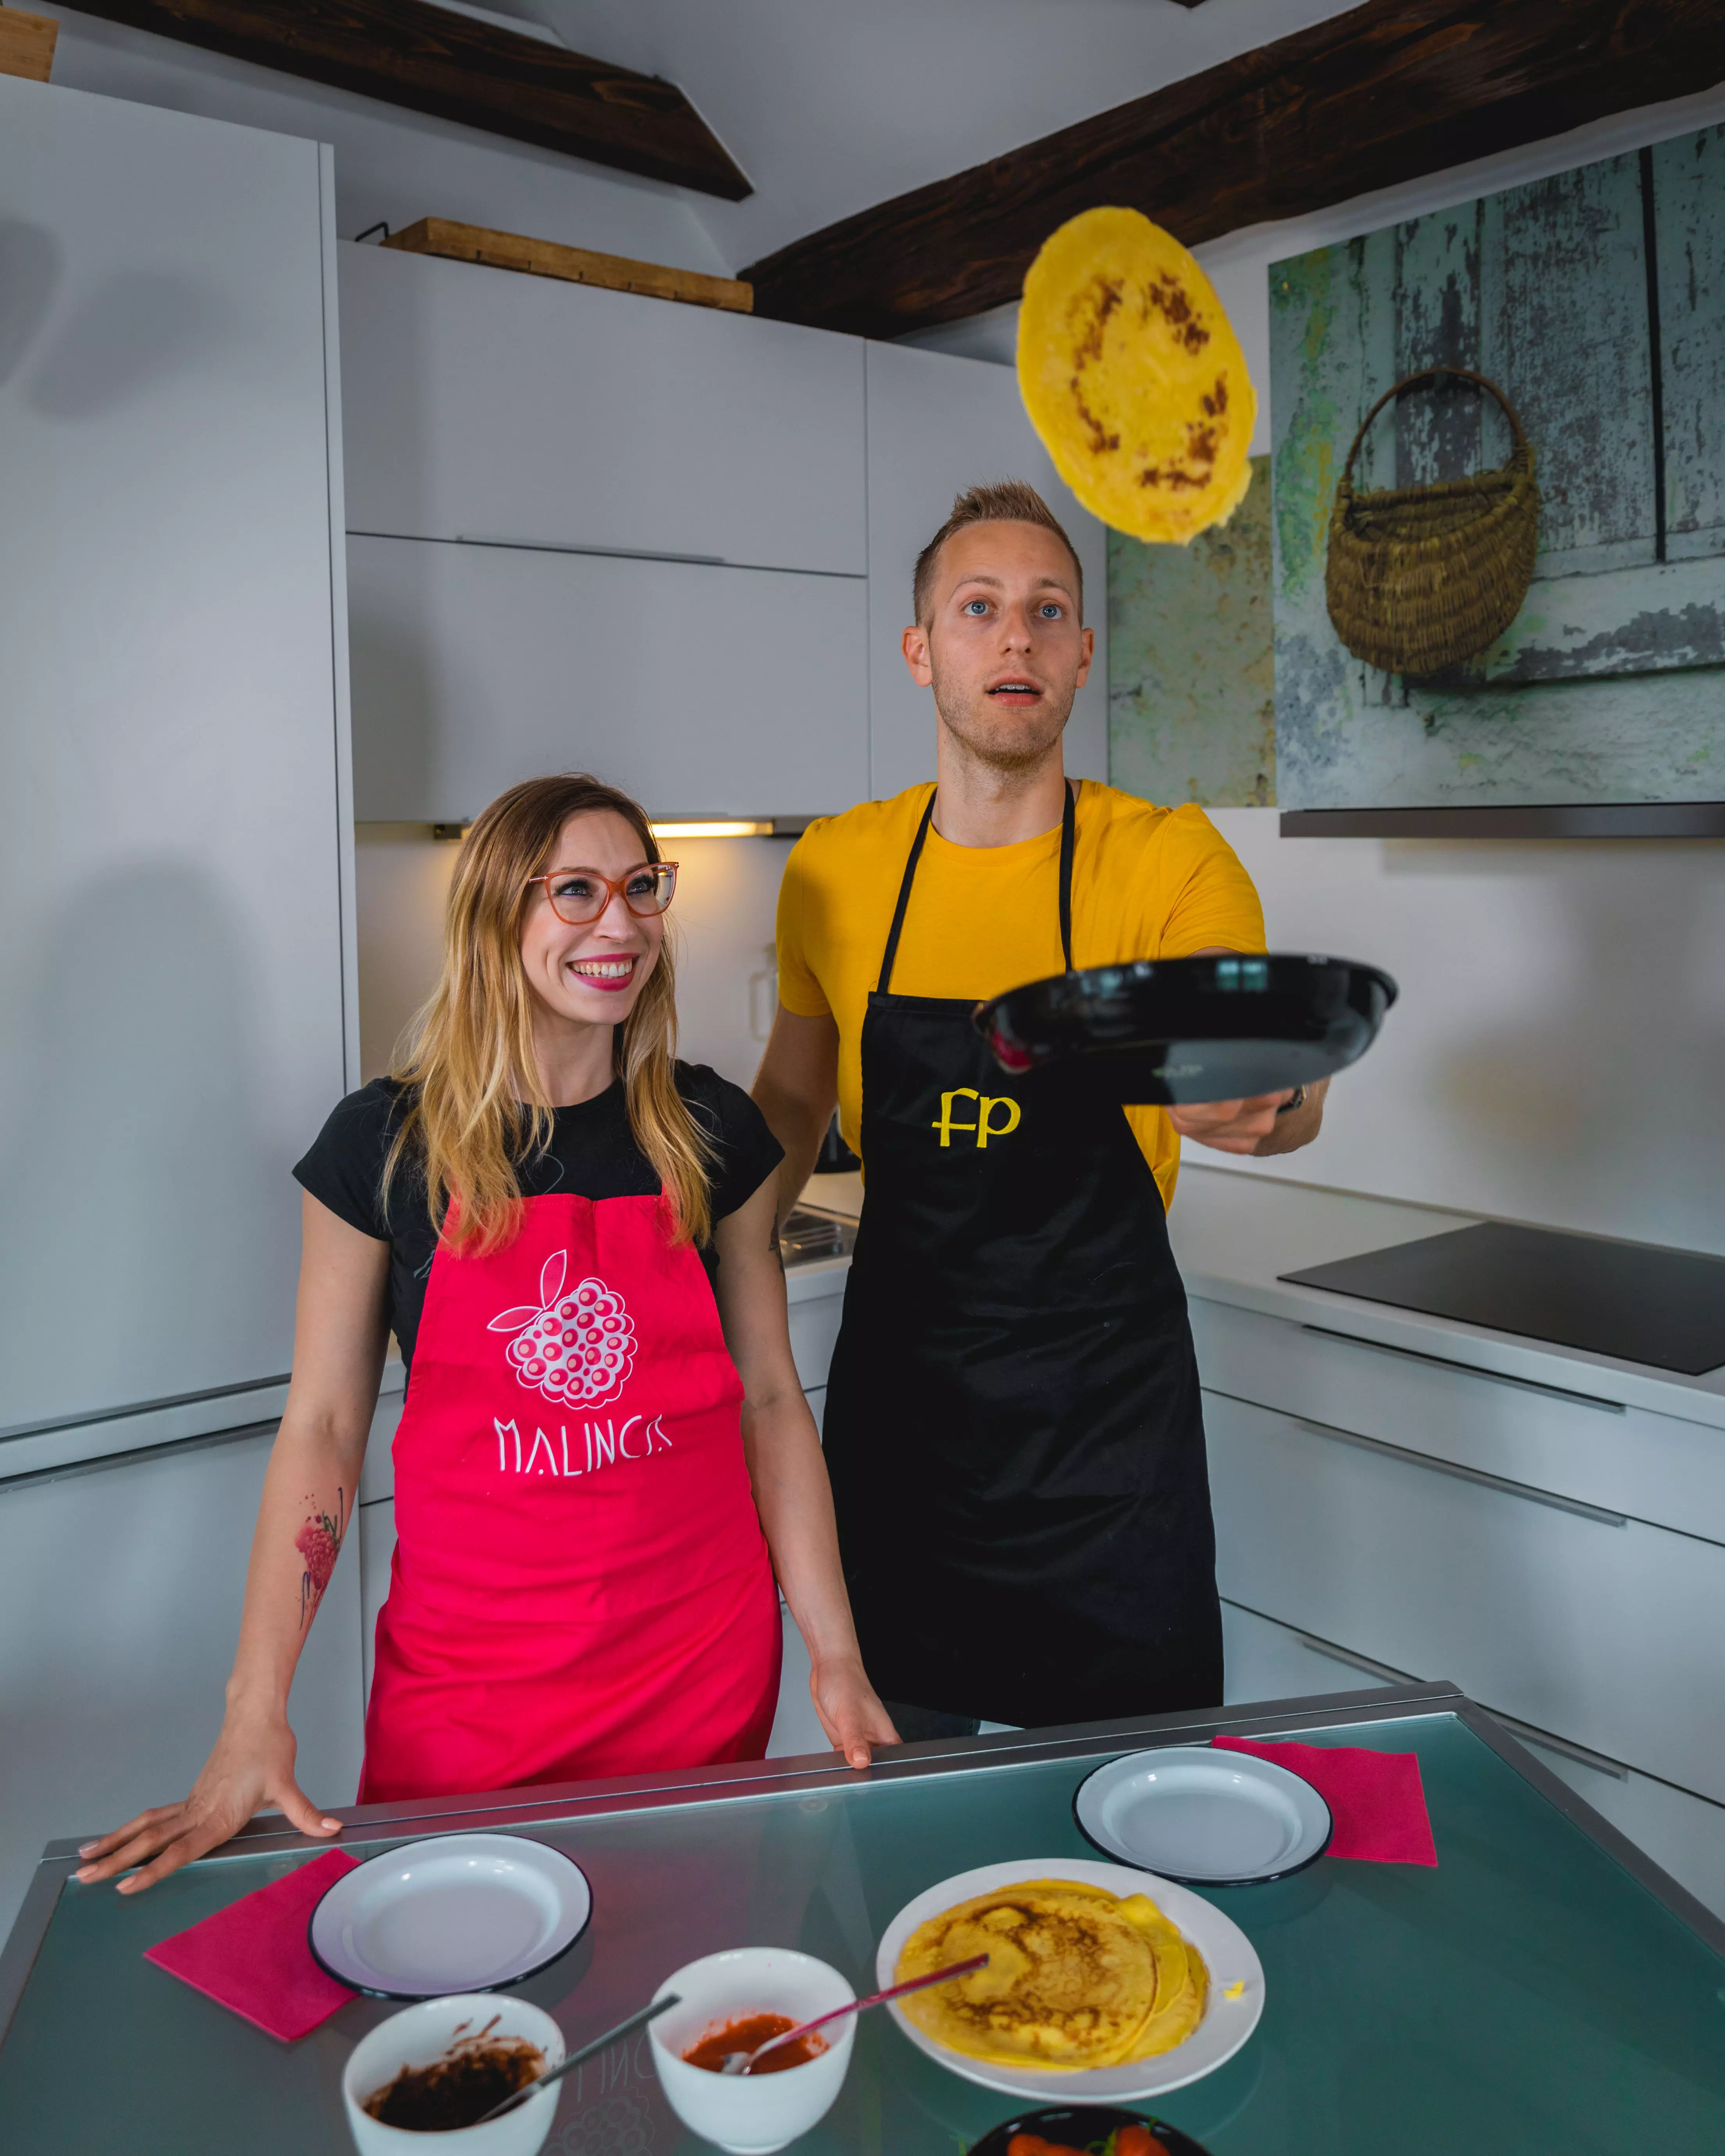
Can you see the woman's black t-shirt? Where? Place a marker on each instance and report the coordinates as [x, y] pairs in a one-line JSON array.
[[593, 1152]]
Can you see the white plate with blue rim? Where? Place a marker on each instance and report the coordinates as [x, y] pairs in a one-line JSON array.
[[1205, 1817], [455, 1913]]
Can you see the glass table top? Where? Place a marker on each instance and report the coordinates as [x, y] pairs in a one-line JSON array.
[[1529, 1994]]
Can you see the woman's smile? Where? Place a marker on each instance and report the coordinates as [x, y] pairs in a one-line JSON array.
[[607, 974]]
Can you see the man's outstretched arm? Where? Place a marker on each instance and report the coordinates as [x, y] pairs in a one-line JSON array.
[[797, 1089]]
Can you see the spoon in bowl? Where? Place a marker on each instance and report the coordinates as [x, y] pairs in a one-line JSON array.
[[519, 2096], [740, 2062]]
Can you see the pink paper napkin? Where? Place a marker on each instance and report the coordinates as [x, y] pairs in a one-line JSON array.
[[1376, 1799], [253, 1956]]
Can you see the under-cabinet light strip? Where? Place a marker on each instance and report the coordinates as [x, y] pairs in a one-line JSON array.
[[714, 827], [683, 827]]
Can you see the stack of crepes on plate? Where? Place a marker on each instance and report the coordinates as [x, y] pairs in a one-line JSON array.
[[1077, 1978]]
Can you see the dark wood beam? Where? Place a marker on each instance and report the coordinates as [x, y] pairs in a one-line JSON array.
[[1387, 92], [407, 53]]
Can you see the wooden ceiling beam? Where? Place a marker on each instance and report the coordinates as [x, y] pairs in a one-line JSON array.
[[430, 59], [1388, 92]]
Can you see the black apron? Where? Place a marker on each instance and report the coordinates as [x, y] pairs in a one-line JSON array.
[[1013, 1426]]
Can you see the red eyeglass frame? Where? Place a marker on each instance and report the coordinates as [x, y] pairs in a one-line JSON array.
[[615, 887]]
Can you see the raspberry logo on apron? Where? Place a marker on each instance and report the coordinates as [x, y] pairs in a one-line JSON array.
[[578, 1346]]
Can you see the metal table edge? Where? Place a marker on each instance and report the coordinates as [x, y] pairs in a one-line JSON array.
[[30, 1927], [1669, 1892]]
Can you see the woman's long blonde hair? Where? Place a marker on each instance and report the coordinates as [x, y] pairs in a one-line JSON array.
[[469, 1056]]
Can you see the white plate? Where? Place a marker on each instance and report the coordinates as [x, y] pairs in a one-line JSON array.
[[458, 1912], [1211, 1819], [1228, 1953]]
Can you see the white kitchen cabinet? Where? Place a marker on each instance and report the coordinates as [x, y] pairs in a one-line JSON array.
[[120, 1588], [376, 1547], [1654, 1467], [938, 425], [377, 1477], [1583, 1622], [1262, 1660], [482, 403], [173, 749], [816, 1308], [796, 1728], [699, 689]]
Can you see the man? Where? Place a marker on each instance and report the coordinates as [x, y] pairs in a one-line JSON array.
[[1012, 1425]]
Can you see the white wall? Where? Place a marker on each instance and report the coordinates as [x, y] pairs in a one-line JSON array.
[[1557, 1054], [722, 921]]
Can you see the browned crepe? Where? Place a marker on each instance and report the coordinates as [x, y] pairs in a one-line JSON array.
[[1076, 1978]]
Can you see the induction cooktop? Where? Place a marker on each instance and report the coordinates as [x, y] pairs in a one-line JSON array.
[[1636, 1303]]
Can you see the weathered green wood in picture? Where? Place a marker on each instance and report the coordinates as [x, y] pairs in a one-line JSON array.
[[1563, 332], [1689, 179], [1191, 678], [1602, 689]]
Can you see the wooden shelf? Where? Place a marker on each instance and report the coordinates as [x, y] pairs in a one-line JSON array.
[[27, 45], [575, 265]]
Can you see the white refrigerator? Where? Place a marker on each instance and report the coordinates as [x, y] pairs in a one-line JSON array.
[[177, 992]]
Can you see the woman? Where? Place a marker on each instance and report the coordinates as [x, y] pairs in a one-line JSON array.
[[572, 1237]]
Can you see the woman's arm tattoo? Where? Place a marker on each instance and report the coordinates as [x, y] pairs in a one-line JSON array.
[[319, 1543]]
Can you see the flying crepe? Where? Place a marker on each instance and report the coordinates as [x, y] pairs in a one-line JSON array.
[[1133, 378]]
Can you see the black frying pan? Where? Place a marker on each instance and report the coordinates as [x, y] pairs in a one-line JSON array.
[[1181, 1029]]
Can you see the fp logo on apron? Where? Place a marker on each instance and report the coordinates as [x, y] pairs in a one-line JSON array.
[[985, 1126]]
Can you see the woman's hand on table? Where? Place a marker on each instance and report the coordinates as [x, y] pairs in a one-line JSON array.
[[250, 1770], [851, 1712]]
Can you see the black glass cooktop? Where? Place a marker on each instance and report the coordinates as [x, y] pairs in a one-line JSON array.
[[1635, 1302]]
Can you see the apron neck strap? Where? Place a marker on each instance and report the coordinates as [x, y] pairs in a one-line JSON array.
[[1069, 841]]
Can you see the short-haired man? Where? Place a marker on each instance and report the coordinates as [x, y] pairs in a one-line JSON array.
[[1011, 1423]]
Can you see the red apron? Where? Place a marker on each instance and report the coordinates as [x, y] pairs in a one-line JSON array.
[[580, 1585]]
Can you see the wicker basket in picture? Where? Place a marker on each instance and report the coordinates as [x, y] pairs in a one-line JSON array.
[[1421, 577]]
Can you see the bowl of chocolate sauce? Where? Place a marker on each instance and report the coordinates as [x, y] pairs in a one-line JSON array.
[[426, 2077]]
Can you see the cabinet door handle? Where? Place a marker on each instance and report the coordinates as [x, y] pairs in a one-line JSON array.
[[1564, 1747], [577, 547], [1471, 1370], [1578, 1505], [139, 1456]]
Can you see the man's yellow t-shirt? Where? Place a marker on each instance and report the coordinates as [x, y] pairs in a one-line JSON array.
[[1146, 883]]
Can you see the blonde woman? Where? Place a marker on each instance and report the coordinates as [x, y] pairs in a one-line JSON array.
[[604, 1456]]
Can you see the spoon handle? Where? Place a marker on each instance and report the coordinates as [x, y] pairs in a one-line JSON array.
[[874, 1998], [579, 2058]]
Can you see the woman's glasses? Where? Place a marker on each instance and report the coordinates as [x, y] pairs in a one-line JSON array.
[[581, 895]]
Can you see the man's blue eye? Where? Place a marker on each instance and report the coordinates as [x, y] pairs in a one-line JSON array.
[[975, 606], [1052, 610]]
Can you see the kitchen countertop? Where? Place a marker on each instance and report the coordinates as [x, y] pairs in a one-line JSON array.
[[810, 1279], [1233, 1232]]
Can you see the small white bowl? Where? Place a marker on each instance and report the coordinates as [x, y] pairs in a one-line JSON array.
[[422, 2033], [752, 2114]]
